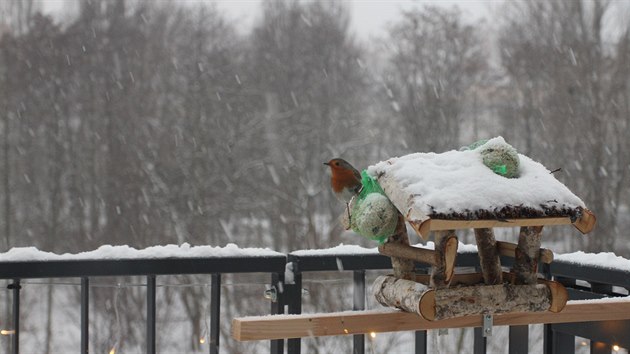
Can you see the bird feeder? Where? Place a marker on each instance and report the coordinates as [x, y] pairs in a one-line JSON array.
[[438, 194]]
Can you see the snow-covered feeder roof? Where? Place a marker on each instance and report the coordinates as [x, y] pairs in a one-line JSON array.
[[455, 190]]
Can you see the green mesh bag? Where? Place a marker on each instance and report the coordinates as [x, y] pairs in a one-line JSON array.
[[373, 214], [502, 159]]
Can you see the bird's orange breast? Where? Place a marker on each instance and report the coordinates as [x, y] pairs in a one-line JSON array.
[[343, 178]]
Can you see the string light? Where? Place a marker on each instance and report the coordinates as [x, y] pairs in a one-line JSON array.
[[616, 348], [202, 340], [113, 351], [7, 332], [584, 344], [372, 335]]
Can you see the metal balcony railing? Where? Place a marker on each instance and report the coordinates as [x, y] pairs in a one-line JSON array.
[[582, 282]]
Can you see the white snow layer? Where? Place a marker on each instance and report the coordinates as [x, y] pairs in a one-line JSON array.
[[185, 250], [603, 260], [350, 250], [456, 181]]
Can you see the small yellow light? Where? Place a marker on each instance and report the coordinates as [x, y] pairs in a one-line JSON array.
[[113, 351], [373, 335], [616, 348], [202, 340], [345, 330], [6, 332], [584, 344]]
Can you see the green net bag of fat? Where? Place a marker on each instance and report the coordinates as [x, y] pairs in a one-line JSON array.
[[373, 214]]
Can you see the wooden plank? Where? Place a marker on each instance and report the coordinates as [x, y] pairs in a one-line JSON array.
[[357, 322], [427, 226]]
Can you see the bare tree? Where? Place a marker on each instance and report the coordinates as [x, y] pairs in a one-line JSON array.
[[436, 59], [567, 81]]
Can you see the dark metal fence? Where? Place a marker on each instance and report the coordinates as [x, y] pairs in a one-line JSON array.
[[582, 282]]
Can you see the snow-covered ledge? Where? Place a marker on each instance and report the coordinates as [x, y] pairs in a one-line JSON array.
[[125, 252]]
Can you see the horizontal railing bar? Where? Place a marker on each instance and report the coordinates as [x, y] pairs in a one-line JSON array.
[[590, 273], [132, 267]]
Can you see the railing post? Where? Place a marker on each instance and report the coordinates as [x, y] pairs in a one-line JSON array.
[[479, 345], [421, 342], [150, 314], [294, 302], [15, 286], [85, 311], [518, 340], [215, 312], [277, 307], [358, 303]]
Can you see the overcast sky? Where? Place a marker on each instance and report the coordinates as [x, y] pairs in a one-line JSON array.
[[369, 17]]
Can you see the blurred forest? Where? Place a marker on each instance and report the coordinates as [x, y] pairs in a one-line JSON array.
[[148, 122]]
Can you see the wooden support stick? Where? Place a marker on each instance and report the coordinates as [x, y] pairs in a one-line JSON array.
[[445, 254], [403, 267], [358, 322], [509, 249], [403, 294], [526, 255], [416, 254], [488, 256]]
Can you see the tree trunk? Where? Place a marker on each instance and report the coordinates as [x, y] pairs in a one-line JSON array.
[[403, 268], [489, 256], [526, 255]]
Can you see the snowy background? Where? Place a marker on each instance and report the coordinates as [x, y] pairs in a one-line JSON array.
[[142, 123]]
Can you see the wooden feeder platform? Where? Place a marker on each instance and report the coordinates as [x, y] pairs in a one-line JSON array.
[[519, 296]]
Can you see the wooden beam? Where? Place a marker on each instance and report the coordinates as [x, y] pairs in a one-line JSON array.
[[358, 322], [425, 227], [508, 249], [416, 254]]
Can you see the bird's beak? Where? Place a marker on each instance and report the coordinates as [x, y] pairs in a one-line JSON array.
[[326, 163]]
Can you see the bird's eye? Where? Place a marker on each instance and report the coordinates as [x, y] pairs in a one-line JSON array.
[[336, 163]]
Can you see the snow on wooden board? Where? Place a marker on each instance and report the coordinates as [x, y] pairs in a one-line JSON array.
[[457, 185], [185, 250]]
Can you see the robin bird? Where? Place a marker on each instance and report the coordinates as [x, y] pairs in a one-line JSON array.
[[345, 181]]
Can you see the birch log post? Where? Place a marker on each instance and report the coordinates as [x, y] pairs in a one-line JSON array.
[[445, 252], [406, 295], [489, 256], [479, 299], [416, 254], [526, 255], [508, 249], [403, 268], [439, 304]]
